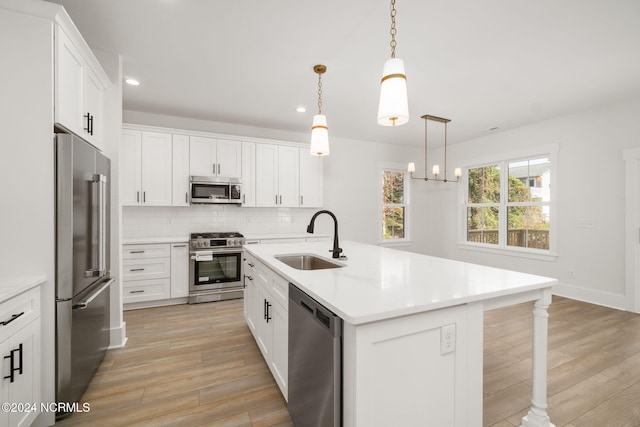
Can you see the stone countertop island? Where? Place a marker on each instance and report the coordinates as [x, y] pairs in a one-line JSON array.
[[397, 307]]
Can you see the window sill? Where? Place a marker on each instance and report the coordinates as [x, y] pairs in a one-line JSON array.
[[521, 253], [395, 243]]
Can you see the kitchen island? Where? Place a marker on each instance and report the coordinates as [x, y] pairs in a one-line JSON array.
[[413, 331]]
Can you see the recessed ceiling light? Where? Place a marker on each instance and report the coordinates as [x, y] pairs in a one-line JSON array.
[[132, 82], [301, 109]]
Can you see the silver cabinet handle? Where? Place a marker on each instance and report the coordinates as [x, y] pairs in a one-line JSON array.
[[214, 168], [186, 197], [218, 168], [243, 199], [281, 199], [136, 292], [179, 246], [251, 265], [136, 269], [301, 200], [136, 252], [276, 199], [144, 197], [137, 197]]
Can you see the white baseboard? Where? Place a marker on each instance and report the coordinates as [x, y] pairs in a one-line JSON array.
[[118, 336], [592, 296]]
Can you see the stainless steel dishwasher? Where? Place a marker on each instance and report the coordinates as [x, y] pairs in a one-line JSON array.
[[315, 362]]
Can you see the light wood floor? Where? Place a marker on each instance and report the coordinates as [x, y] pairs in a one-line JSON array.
[[193, 365]]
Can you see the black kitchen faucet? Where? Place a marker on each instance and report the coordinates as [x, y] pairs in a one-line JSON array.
[[336, 247]]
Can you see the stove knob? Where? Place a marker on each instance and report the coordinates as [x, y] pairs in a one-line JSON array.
[[233, 242]]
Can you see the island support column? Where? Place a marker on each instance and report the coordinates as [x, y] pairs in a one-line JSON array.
[[537, 416]]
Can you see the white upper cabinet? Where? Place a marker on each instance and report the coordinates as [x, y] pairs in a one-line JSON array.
[[180, 170], [146, 168], [212, 157], [277, 176], [80, 82], [248, 174], [310, 180]]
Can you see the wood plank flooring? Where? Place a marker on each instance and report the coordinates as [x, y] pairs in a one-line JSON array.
[[198, 365]]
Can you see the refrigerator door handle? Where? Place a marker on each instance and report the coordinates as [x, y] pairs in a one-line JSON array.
[[99, 243], [84, 304]]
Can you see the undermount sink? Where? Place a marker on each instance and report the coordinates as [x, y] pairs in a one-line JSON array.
[[307, 262]]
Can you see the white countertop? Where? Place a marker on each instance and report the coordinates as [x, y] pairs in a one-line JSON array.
[[380, 283], [276, 236], [149, 240], [17, 285]]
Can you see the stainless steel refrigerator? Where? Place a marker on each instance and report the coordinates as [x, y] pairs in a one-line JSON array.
[[82, 264]]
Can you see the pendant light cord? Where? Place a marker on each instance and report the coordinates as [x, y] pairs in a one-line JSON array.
[[319, 93], [393, 28]]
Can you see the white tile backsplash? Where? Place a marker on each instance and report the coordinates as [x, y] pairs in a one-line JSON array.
[[149, 221]]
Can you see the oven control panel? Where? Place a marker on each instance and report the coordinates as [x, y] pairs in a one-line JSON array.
[[216, 240]]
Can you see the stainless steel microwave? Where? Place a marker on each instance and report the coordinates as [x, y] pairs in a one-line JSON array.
[[205, 189]]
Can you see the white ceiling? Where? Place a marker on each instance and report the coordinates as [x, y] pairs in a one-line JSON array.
[[482, 64]]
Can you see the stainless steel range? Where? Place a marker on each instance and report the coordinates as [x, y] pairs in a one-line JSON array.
[[215, 269]]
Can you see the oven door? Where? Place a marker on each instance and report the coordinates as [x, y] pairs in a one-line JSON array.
[[215, 269]]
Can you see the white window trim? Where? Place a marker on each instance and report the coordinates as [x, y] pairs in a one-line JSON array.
[[550, 150], [400, 167]]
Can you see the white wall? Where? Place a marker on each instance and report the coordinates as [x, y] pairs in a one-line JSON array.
[[590, 185], [27, 169]]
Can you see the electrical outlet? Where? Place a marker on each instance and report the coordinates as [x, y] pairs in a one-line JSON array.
[[448, 339]]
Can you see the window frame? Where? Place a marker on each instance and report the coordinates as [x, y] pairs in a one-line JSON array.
[[503, 161], [395, 167]]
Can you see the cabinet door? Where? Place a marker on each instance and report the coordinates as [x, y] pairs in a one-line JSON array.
[[248, 174], [5, 350], [266, 175], [229, 157], [180, 171], [288, 176], [156, 169], [310, 180], [93, 101], [26, 385], [69, 81], [264, 335], [130, 173], [202, 156], [280, 346], [179, 270]]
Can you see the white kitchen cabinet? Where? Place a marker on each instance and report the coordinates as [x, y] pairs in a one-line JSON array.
[[146, 168], [277, 176], [146, 272], [179, 270], [80, 83], [20, 344], [310, 180], [180, 170], [248, 174], [268, 318], [220, 158]]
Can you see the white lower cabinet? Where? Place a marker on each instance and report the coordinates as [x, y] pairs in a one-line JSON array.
[[268, 318], [20, 352], [179, 270], [154, 273]]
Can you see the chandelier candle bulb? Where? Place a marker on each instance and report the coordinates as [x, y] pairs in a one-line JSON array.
[[436, 170], [458, 172], [411, 167]]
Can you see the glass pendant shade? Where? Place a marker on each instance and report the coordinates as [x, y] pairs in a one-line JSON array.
[[319, 136], [393, 108]]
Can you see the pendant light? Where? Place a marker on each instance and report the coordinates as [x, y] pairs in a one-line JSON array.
[[393, 108], [319, 129], [436, 168]]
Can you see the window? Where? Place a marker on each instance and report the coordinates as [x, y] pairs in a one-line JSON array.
[[508, 204], [395, 190]]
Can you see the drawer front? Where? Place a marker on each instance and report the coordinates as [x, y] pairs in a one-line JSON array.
[[141, 269], [146, 251], [280, 290], [146, 290], [22, 308]]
